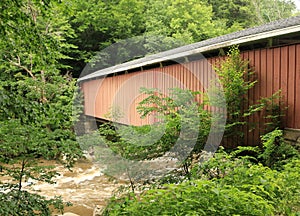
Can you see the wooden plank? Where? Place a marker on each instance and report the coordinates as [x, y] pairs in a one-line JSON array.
[[291, 86], [263, 87], [270, 72], [269, 79], [205, 78], [284, 78], [245, 56], [251, 59], [276, 69], [199, 86], [256, 96], [297, 88]]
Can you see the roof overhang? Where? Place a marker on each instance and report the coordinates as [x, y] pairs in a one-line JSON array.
[[189, 50]]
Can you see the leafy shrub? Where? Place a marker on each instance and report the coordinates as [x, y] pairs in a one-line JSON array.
[[275, 151], [22, 146], [230, 183], [198, 197], [19, 203], [280, 189], [220, 164], [137, 149], [237, 78], [135, 142], [289, 203]]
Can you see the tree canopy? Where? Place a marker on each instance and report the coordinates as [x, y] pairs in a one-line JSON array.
[[98, 24]]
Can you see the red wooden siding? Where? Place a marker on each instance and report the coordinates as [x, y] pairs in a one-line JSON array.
[[276, 69]]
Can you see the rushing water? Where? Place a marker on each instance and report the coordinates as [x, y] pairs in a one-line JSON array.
[[86, 187]]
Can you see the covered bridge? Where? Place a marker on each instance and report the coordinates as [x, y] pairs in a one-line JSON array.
[[273, 50]]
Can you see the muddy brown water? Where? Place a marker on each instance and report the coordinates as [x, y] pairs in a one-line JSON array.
[[85, 186]]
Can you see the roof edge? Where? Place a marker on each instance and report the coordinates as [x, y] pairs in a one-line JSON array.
[[191, 50]]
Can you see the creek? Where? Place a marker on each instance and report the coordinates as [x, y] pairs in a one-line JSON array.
[[85, 186]]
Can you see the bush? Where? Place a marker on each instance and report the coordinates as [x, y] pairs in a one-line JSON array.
[[198, 197], [237, 78], [276, 152], [228, 184], [22, 146], [19, 203], [280, 189], [146, 142]]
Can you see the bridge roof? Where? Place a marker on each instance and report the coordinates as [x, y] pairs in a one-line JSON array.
[[269, 30]]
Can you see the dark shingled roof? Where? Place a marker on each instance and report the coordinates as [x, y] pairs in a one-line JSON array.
[[289, 25]]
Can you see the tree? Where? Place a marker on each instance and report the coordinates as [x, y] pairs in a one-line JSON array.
[[35, 98], [234, 12], [269, 10], [32, 87], [237, 78], [187, 21], [245, 13], [98, 24], [155, 26]]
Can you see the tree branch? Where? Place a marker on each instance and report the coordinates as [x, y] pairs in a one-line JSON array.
[[44, 99], [18, 64]]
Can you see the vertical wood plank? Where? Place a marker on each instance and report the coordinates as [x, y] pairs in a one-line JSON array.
[[284, 67], [257, 116], [297, 88], [263, 87], [291, 86]]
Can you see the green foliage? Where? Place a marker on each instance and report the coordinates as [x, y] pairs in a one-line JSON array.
[[33, 92], [132, 142], [21, 146], [94, 25], [135, 147], [269, 10], [154, 25], [236, 13], [248, 13], [98, 24], [36, 100], [280, 189], [197, 197], [237, 78], [276, 183], [179, 109], [276, 152], [232, 183], [187, 21], [221, 163], [271, 108], [19, 203]]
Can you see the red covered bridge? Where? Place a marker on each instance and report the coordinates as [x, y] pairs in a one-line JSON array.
[[273, 50]]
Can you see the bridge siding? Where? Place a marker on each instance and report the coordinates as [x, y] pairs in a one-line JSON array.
[[276, 69]]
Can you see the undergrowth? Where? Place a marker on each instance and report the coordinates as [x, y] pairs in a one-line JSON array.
[[265, 182]]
